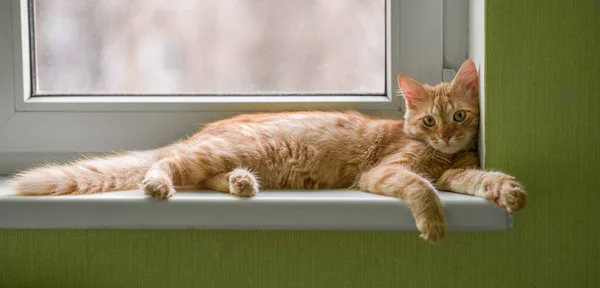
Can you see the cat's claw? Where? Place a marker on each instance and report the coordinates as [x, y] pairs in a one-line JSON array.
[[505, 192]]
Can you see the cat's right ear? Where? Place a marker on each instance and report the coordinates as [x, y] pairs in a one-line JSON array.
[[466, 80], [412, 91]]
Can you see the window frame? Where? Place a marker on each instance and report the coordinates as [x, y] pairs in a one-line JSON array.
[[47, 126], [38, 132]]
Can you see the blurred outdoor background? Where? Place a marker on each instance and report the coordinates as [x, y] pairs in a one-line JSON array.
[[210, 46]]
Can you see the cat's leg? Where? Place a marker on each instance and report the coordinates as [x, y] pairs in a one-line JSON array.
[[187, 164], [497, 187], [180, 170], [158, 181], [240, 182], [417, 192]]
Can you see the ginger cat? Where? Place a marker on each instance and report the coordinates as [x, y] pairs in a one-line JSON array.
[[432, 147]]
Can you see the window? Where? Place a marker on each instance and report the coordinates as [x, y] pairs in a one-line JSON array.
[[97, 76], [205, 47]]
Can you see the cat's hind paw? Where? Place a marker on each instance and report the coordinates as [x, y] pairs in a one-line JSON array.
[[158, 186], [242, 183]]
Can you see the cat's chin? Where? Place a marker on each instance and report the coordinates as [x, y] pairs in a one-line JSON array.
[[449, 149]]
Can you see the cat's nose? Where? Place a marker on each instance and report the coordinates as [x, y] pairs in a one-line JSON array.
[[446, 139]]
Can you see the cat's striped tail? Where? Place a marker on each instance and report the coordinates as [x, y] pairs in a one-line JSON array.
[[87, 176]]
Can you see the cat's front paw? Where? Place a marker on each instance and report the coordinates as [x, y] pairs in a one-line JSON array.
[[158, 186], [433, 227], [504, 191]]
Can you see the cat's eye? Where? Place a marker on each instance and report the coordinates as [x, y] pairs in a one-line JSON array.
[[429, 121], [460, 116]]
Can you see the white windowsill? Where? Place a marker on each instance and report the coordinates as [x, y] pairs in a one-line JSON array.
[[269, 210]]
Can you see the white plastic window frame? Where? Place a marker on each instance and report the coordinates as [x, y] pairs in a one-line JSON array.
[[422, 38]]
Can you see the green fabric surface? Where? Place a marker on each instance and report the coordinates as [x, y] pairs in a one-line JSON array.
[[542, 125]]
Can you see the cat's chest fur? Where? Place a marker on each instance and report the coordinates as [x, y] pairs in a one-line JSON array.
[[304, 166], [320, 151]]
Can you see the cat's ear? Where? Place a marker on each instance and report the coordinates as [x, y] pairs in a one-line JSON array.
[[466, 80], [412, 91]]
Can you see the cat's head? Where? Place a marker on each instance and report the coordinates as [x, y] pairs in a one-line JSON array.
[[446, 116]]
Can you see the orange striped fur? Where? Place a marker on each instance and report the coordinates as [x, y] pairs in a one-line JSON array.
[[431, 147]]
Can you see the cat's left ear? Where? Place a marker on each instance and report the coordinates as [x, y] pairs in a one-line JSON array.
[[412, 91], [466, 80]]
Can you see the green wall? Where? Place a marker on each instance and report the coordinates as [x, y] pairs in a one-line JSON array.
[[543, 125]]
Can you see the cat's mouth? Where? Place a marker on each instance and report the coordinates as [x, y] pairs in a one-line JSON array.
[[448, 148]]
